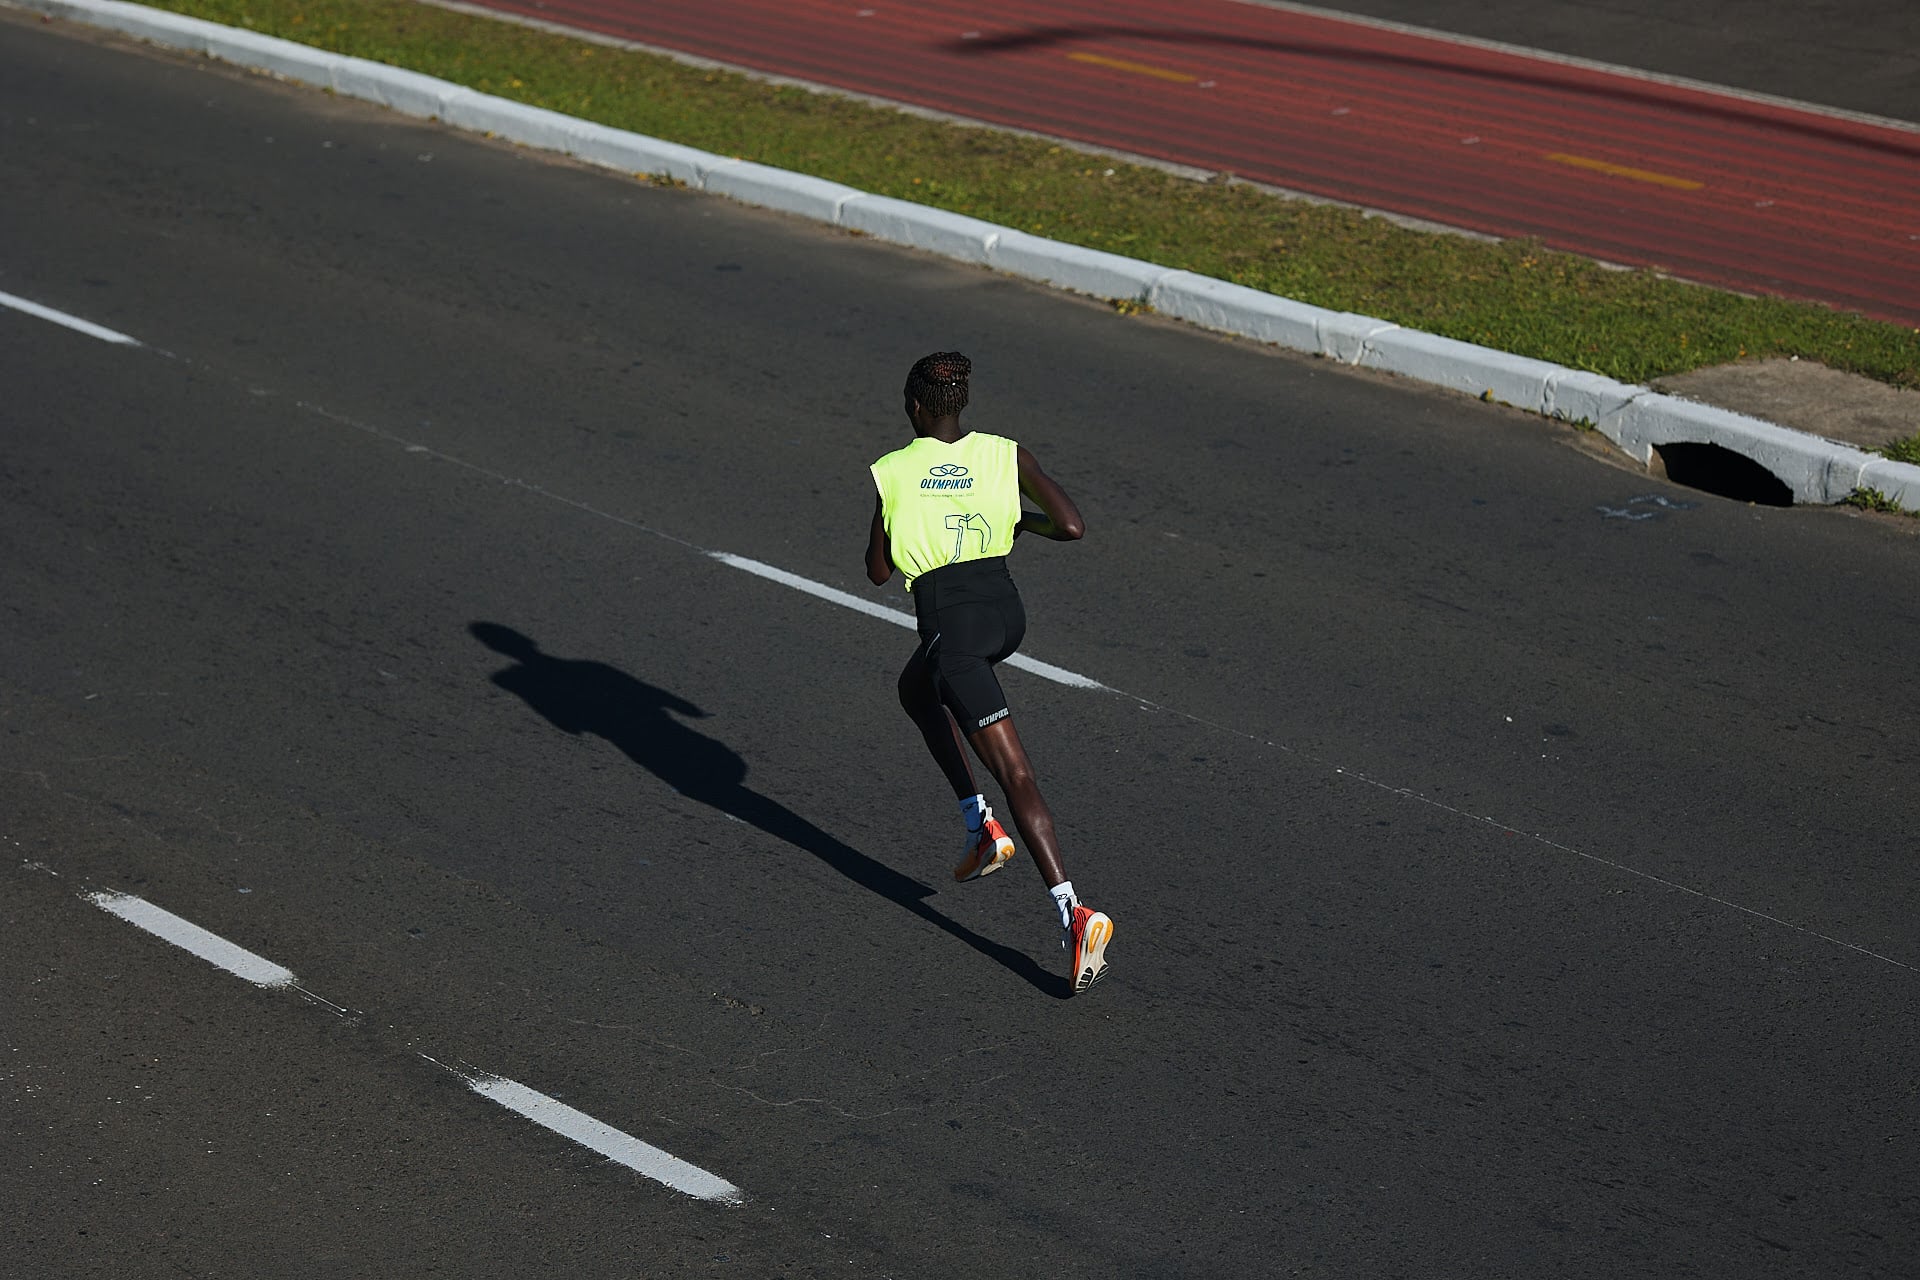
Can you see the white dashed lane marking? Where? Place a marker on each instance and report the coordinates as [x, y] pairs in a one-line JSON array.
[[847, 600], [75, 323], [549, 1113], [188, 936], [621, 1148]]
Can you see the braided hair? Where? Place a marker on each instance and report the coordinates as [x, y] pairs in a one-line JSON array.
[[939, 383]]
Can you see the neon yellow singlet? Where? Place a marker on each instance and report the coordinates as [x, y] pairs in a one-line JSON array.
[[947, 503]]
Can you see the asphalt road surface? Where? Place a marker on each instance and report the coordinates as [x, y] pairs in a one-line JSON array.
[[1511, 855]]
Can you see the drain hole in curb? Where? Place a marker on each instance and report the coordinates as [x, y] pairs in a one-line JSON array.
[[1714, 469]]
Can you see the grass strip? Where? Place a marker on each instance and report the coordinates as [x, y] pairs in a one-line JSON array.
[[1515, 296], [1904, 450], [1874, 500]]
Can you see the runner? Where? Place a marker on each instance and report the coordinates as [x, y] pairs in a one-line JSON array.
[[946, 516]]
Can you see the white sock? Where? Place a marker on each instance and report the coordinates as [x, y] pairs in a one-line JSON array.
[[974, 809], [1063, 898]]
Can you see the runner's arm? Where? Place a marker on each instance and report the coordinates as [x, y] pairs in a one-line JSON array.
[[879, 551], [1057, 518]]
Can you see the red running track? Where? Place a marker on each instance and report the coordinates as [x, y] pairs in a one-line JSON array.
[[1717, 187]]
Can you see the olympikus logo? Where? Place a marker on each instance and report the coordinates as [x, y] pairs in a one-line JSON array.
[[1001, 714], [947, 475]]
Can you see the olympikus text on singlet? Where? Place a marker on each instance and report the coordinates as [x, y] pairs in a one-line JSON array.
[[947, 476]]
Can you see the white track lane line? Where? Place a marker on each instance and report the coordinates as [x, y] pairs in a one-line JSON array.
[[848, 601], [621, 1148], [188, 936], [87, 327]]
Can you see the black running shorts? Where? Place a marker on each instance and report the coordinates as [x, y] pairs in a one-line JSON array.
[[970, 617]]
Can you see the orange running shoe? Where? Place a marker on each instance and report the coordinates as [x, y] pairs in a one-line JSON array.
[[1087, 938], [986, 852]]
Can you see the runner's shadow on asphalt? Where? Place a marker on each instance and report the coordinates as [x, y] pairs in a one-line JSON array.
[[585, 697]]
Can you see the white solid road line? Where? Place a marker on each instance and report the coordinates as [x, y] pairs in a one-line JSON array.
[[188, 936], [87, 327], [621, 1148], [848, 601]]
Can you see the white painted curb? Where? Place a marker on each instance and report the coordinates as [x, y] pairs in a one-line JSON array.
[[761, 184], [1635, 418], [636, 153], [1071, 267], [951, 235], [1234, 308]]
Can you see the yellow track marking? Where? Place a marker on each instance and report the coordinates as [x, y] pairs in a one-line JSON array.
[[1138, 68], [1624, 171]]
